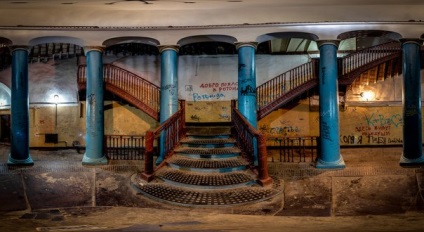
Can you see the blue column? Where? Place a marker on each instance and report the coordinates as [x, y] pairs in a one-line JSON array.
[[169, 89], [247, 86], [94, 124], [412, 116], [328, 107], [247, 81], [19, 147]]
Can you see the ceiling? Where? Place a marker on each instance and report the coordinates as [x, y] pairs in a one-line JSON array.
[[124, 13]]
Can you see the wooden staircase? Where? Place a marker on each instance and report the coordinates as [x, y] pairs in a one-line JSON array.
[[381, 61], [206, 170], [127, 85]]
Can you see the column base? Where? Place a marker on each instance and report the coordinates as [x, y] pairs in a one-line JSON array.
[[339, 164], [97, 161], [14, 162], [159, 160], [405, 162]]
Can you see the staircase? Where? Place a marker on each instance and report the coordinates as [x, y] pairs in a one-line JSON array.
[[206, 170], [282, 89], [127, 85]]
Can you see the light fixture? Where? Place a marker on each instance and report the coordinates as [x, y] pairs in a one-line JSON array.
[[56, 98], [367, 95]]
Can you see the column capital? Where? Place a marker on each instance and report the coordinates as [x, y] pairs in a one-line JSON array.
[[93, 48], [163, 48], [19, 47], [244, 44], [417, 41], [334, 42]]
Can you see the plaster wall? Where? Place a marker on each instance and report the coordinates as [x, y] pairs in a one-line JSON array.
[[361, 123]]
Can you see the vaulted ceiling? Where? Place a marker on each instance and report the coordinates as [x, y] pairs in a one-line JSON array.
[[201, 12]]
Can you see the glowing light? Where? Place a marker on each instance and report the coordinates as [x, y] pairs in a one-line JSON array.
[[56, 98], [367, 95]]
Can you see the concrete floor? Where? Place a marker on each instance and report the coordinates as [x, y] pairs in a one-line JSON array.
[[59, 194]]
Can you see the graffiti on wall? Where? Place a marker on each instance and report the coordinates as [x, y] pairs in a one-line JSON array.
[[368, 126], [212, 91]]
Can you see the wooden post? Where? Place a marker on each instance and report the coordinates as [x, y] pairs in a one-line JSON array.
[[147, 175]]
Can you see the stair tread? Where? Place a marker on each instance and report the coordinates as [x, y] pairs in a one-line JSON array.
[[193, 197], [202, 179], [208, 140], [207, 151], [207, 163]]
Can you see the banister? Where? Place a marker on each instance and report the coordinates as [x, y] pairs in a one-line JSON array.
[[129, 86], [174, 130], [275, 92], [249, 140]]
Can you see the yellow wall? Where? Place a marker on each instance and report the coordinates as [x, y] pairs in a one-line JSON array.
[[208, 111], [119, 119], [364, 125]]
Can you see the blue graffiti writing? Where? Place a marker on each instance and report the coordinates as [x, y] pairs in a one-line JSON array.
[[214, 96], [381, 120]]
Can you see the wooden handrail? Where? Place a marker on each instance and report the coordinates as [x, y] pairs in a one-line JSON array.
[[129, 86], [284, 83], [353, 65], [174, 130], [253, 143]]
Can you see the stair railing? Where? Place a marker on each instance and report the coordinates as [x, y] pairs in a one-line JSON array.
[[352, 65], [132, 87], [277, 91], [285, 82], [252, 142], [174, 130]]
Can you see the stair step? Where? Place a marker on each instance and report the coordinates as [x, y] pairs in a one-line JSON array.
[[207, 165], [210, 136], [192, 197], [208, 130], [206, 181], [207, 153], [208, 142]]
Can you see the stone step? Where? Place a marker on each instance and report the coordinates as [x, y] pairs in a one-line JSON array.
[[207, 153], [206, 181], [211, 136], [208, 142], [207, 165], [202, 198], [208, 130]]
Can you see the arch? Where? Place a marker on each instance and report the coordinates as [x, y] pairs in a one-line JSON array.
[[369, 33], [361, 39], [56, 39], [5, 95], [130, 39], [5, 42], [283, 42], [207, 38], [284, 35]]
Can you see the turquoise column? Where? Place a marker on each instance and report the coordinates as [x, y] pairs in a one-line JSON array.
[[412, 116], [247, 86], [247, 81], [94, 124], [330, 157], [168, 89], [19, 146]]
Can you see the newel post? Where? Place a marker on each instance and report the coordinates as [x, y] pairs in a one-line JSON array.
[[264, 178], [147, 175]]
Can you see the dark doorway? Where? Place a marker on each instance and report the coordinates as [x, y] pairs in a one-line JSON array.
[[5, 128]]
